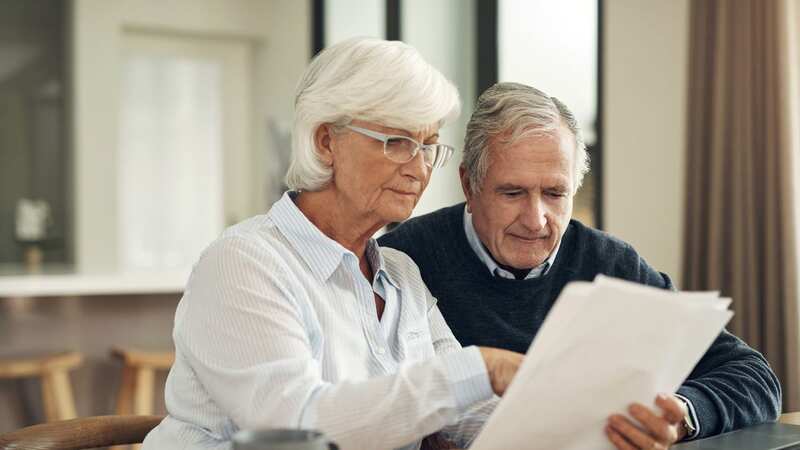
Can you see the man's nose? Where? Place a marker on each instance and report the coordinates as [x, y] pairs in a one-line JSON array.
[[533, 216]]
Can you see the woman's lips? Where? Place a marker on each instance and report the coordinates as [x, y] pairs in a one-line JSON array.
[[403, 192]]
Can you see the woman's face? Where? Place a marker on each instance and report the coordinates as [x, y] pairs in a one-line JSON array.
[[370, 184]]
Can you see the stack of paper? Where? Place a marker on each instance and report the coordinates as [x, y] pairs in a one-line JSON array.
[[603, 346]]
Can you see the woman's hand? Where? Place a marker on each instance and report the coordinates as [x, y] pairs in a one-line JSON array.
[[502, 365]]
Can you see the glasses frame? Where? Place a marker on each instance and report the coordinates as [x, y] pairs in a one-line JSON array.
[[440, 153]]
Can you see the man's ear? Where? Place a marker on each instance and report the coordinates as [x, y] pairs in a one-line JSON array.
[[323, 139], [462, 173]]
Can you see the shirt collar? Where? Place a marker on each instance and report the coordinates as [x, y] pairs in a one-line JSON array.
[[477, 246], [378, 263], [322, 254]]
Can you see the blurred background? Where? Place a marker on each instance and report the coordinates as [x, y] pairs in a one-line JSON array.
[[132, 132]]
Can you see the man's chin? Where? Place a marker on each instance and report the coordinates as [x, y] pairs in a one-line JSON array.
[[527, 262], [527, 265]]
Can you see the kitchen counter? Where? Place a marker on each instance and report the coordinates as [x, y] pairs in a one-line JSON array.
[[64, 281]]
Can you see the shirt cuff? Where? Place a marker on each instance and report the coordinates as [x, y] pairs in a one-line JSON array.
[[692, 417], [467, 377]]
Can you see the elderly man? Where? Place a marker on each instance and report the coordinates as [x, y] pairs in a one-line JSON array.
[[497, 263]]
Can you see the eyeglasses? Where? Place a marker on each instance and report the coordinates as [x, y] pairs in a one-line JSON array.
[[402, 149]]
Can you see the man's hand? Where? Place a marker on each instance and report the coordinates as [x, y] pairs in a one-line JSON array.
[[650, 431], [502, 365]]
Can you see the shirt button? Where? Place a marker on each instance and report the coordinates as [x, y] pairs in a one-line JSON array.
[[380, 350]]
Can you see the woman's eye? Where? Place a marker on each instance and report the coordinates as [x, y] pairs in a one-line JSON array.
[[400, 144]]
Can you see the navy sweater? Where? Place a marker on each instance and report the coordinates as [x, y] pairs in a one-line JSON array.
[[731, 387]]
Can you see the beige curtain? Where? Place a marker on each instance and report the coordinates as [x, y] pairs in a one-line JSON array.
[[740, 225]]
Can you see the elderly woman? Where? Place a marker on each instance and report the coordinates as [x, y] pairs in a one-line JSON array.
[[297, 318]]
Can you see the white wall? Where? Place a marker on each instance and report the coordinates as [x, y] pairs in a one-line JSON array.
[[281, 52], [646, 58]]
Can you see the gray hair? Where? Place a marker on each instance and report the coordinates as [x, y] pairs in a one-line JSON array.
[[386, 82], [522, 111]]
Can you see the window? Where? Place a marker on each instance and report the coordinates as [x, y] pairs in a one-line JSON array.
[[552, 46], [183, 164], [34, 156]]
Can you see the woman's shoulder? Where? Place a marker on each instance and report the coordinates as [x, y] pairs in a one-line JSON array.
[[252, 243], [256, 234], [247, 257]]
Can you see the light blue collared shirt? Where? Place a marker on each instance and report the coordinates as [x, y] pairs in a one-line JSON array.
[[491, 264], [278, 328]]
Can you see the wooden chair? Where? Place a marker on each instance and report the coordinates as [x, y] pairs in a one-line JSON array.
[[53, 371], [83, 433], [137, 388]]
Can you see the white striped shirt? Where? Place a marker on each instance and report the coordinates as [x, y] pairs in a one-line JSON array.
[[278, 328]]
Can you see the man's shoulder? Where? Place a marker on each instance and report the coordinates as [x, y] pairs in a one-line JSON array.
[[598, 241], [593, 251], [423, 228]]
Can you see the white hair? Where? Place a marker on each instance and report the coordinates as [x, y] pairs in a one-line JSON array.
[[520, 111], [385, 82]]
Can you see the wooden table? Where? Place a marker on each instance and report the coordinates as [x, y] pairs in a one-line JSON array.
[[792, 418]]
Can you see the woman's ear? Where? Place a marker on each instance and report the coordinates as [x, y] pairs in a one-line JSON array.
[[323, 141]]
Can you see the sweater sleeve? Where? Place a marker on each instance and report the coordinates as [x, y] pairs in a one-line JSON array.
[[732, 386]]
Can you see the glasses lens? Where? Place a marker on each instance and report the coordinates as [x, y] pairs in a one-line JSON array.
[[400, 149], [437, 155]]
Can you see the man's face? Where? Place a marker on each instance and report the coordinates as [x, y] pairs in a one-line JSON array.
[[525, 203]]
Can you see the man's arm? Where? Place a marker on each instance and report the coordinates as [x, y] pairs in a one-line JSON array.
[[732, 386]]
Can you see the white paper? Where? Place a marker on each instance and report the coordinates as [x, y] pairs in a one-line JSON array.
[[603, 346]]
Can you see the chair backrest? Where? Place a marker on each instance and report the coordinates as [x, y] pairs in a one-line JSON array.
[[81, 433]]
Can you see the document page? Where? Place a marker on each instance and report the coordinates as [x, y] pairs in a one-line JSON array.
[[603, 346]]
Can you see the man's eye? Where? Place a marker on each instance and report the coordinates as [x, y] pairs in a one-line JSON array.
[[512, 193], [556, 194]]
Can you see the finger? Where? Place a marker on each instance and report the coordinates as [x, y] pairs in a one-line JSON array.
[[620, 442], [674, 409], [632, 433], [655, 425]]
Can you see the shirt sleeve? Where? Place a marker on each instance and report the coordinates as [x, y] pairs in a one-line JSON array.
[[241, 327], [473, 393]]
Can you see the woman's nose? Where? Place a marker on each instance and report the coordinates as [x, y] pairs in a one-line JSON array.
[[416, 167]]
